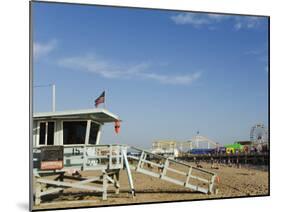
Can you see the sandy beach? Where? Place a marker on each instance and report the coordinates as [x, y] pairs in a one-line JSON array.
[[233, 182]]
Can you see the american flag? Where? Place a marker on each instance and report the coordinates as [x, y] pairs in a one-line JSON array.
[[100, 99]]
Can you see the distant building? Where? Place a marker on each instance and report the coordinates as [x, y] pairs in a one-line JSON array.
[[165, 148]]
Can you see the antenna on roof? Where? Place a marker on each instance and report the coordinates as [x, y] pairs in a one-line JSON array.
[[54, 97]]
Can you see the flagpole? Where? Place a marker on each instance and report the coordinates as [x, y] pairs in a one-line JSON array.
[[104, 105], [54, 97]]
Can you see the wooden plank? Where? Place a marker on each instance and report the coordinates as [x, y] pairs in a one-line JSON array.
[[140, 161], [188, 176], [203, 190], [89, 180], [50, 191], [110, 179], [133, 157], [84, 181], [96, 167], [172, 180], [211, 185], [164, 171], [97, 157], [48, 172], [176, 171], [72, 185], [196, 188], [37, 193], [199, 178], [104, 186]]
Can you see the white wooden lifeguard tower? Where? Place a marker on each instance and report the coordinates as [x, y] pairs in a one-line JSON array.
[[67, 143]]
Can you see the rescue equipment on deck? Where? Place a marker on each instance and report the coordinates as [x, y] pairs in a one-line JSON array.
[[117, 126]]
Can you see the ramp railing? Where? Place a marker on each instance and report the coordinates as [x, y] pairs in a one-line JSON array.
[[171, 170]]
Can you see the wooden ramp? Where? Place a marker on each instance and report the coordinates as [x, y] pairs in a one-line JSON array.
[[171, 170]]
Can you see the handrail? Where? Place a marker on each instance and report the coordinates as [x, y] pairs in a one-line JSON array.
[[83, 145], [173, 160]]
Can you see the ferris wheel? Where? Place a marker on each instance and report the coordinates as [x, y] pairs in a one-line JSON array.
[[259, 134]]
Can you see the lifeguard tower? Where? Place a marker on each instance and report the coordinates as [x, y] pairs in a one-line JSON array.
[[67, 143]]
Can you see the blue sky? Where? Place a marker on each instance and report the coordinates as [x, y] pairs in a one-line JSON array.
[[166, 74]]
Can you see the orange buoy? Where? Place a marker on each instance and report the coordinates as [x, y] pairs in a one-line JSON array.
[[117, 126]]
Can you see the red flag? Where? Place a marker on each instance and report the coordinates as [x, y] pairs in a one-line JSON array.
[[100, 99]]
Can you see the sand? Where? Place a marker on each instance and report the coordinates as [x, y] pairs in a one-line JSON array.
[[234, 182]]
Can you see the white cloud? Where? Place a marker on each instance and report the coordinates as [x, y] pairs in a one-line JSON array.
[[173, 79], [218, 17], [199, 20], [105, 68], [247, 22], [42, 49], [116, 70], [190, 18]]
